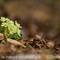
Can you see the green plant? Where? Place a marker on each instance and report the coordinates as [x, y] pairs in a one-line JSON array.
[[10, 29]]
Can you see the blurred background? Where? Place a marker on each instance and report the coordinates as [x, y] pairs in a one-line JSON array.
[[37, 17]]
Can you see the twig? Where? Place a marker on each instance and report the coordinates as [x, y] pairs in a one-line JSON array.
[[15, 42]]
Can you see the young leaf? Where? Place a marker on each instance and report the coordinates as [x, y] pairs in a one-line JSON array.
[[15, 36]]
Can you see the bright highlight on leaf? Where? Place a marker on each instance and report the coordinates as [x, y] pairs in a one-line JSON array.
[[10, 28]]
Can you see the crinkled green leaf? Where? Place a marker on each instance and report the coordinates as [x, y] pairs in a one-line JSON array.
[[16, 36]]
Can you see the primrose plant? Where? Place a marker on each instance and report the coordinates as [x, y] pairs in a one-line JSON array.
[[10, 29]]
